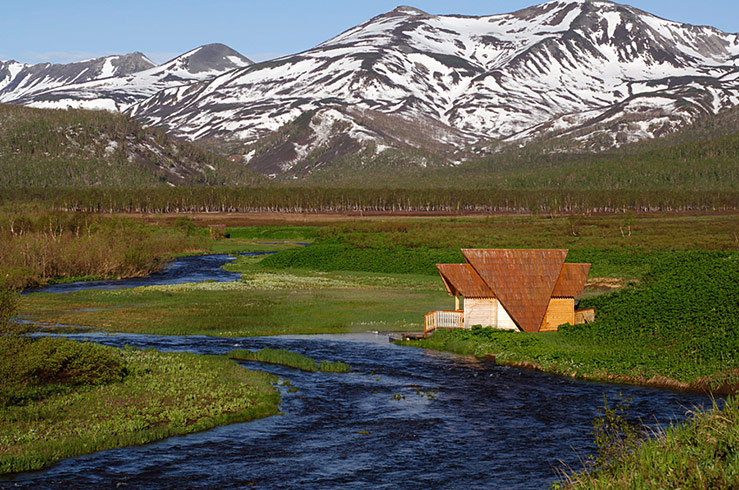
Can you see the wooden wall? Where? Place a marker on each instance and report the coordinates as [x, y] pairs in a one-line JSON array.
[[560, 310], [480, 311]]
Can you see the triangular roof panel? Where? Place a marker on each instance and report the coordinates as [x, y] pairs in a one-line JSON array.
[[571, 280], [463, 279], [521, 279]]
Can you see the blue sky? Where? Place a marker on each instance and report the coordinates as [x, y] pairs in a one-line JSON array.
[[34, 31]]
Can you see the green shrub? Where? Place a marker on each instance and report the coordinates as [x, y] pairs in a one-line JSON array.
[[33, 368]]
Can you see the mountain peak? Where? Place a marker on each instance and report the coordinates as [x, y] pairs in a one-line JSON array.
[[211, 57], [407, 10], [131, 63]]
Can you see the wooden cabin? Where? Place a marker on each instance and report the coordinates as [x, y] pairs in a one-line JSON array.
[[529, 290]]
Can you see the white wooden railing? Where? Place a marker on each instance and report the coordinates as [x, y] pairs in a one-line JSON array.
[[442, 319]]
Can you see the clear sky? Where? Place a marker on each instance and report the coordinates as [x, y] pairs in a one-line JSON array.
[[61, 31]]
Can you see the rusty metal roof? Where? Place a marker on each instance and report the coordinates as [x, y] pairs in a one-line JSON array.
[[571, 280], [463, 279], [521, 279]]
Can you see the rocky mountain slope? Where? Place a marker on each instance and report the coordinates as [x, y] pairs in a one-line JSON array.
[[590, 74], [120, 82]]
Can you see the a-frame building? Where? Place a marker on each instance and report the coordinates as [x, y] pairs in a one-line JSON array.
[[532, 290]]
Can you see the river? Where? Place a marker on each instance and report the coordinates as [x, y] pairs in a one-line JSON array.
[[403, 418]]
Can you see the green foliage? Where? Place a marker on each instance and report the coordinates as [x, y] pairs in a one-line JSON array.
[[288, 358], [185, 225], [616, 437], [33, 368], [163, 395]]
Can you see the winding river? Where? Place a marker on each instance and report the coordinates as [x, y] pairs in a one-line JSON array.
[[404, 418]]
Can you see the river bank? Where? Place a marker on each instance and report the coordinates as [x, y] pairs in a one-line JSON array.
[[375, 276], [62, 398]]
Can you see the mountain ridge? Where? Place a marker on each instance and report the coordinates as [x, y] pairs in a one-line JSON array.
[[117, 90], [598, 72]]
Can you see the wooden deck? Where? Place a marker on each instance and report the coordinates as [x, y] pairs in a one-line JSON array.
[[405, 336]]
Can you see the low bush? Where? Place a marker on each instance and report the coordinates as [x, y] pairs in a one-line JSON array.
[[31, 369], [37, 247]]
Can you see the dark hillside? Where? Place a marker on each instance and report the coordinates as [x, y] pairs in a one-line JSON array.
[[78, 148], [701, 157]]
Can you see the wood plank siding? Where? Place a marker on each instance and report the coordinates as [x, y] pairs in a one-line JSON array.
[[559, 312]]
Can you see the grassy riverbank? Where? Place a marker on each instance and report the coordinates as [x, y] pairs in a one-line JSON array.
[[290, 359], [38, 247], [61, 398], [701, 453], [263, 304]]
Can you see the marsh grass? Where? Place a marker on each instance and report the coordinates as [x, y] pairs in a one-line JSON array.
[[38, 247], [240, 310], [415, 245], [700, 453], [151, 396], [288, 358], [334, 367]]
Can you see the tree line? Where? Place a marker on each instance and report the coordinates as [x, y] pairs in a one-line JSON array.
[[304, 199]]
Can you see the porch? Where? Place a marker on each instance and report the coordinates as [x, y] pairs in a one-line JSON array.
[[442, 319]]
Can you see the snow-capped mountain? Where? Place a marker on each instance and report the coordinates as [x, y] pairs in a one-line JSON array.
[[600, 72], [116, 91], [20, 79]]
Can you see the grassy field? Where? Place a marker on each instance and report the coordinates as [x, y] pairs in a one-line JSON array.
[[263, 238], [664, 288], [283, 304], [372, 274], [62, 398]]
